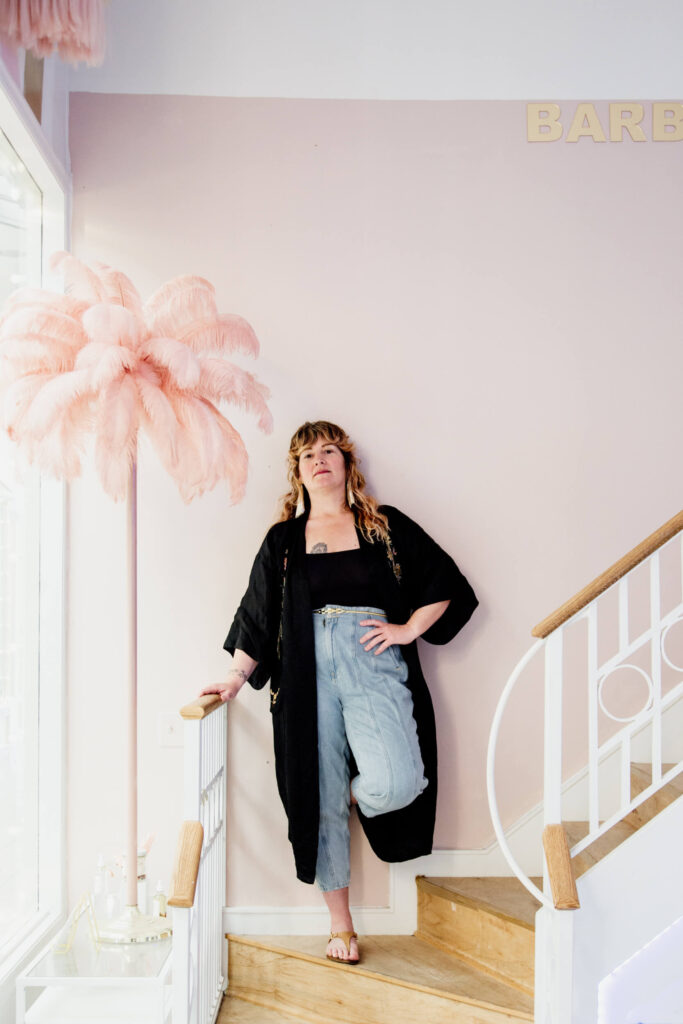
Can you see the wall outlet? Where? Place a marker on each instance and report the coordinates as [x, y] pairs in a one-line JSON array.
[[170, 729]]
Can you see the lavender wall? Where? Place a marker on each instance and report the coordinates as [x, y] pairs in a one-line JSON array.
[[496, 323]]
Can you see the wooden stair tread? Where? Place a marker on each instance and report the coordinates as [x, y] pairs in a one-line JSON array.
[[238, 1011], [505, 897], [403, 960], [600, 847], [641, 778]]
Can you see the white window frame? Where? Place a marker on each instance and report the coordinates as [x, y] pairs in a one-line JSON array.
[[23, 131]]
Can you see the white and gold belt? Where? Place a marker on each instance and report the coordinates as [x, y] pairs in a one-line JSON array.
[[333, 610]]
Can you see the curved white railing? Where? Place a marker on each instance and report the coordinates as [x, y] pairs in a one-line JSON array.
[[615, 593], [491, 775]]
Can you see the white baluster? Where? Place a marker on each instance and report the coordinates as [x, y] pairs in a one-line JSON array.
[[625, 748], [552, 788], [656, 666], [623, 613], [593, 763], [181, 967]]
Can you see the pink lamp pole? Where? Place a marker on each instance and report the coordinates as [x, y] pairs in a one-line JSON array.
[[132, 683], [132, 925]]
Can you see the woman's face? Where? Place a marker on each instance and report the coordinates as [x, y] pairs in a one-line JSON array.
[[322, 467]]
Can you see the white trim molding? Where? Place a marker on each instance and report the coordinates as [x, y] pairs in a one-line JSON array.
[[400, 916]]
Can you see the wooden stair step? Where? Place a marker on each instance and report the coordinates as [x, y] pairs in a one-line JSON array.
[[238, 1011], [400, 980], [506, 896], [600, 847], [641, 778], [487, 923]]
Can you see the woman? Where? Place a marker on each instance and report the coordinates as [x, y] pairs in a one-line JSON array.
[[338, 594]]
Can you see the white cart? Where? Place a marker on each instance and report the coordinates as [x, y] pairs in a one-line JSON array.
[[126, 984]]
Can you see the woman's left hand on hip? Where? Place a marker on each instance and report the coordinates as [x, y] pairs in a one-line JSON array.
[[384, 634]]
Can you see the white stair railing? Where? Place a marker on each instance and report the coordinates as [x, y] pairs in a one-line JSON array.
[[199, 946], [634, 649]]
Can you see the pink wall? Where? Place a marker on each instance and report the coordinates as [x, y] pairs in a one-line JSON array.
[[9, 56], [496, 323]]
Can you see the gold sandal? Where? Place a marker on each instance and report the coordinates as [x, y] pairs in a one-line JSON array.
[[346, 939]]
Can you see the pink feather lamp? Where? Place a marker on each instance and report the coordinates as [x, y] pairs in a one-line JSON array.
[[97, 361]]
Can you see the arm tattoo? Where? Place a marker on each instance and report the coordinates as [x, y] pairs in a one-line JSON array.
[[239, 672], [319, 549]]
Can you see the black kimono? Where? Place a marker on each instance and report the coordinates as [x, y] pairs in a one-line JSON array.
[[274, 626]]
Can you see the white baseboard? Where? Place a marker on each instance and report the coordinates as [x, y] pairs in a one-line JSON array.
[[400, 916]]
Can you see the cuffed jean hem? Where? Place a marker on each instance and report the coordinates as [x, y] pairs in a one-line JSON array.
[[396, 801], [331, 886]]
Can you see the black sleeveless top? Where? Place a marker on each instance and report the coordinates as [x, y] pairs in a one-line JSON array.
[[345, 578]]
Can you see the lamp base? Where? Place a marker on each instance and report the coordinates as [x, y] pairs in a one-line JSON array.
[[132, 926]]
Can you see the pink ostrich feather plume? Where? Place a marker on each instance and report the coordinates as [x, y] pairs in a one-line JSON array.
[[116, 436], [49, 324], [18, 396], [223, 381], [113, 325], [185, 308], [158, 417], [34, 298], [227, 332], [80, 281], [187, 296], [64, 399], [59, 453], [119, 288], [105, 363], [97, 360], [173, 358], [30, 353]]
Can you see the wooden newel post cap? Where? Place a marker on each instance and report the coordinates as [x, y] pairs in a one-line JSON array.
[[560, 870], [186, 867]]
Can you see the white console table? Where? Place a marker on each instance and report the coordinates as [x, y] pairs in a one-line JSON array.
[[87, 985]]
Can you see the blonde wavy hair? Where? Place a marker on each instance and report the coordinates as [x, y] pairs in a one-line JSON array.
[[370, 521]]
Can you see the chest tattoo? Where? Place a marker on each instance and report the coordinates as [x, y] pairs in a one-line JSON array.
[[319, 549]]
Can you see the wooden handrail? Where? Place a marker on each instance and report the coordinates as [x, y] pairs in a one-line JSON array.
[[186, 867], [614, 573], [201, 706]]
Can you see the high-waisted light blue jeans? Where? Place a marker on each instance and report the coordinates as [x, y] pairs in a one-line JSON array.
[[364, 706]]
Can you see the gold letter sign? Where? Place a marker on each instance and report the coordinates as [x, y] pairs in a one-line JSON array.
[[586, 122], [667, 122], [543, 122], [628, 116]]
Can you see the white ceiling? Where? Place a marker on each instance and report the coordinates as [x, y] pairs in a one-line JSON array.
[[393, 49]]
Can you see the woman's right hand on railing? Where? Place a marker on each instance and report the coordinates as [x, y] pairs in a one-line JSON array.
[[242, 667]]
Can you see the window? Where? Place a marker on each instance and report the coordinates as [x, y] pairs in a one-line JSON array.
[[32, 225], [20, 242]]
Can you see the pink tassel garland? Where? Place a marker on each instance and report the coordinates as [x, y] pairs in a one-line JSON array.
[[75, 28]]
